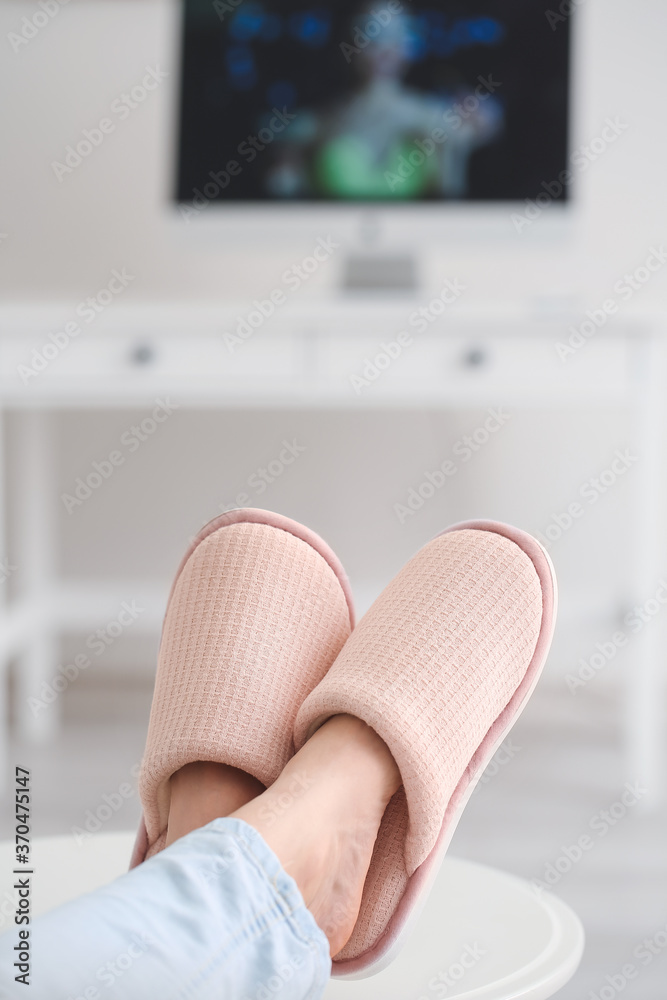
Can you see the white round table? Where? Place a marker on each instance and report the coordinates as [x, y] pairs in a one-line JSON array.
[[483, 934]]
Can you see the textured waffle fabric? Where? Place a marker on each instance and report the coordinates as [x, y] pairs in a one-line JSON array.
[[256, 617], [430, 667]]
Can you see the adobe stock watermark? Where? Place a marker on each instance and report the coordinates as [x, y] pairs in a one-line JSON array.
[[453, 118], [645, 952], [109, 805], [376, 20], [113, 970], [225, 7], [264, 476], [565, 10], [580, 160], [591, 491], [33, 24], [8, 907], [248, 150], [464, 449], [625, 289], [439, 986], [278, 980], [86, 311], [506, 752], [219, 864], [97, 643], [120, 110], [6, 569], [278, 806], [600, 825], [130, 441], [636, 620], [419, 320], [291, 281]]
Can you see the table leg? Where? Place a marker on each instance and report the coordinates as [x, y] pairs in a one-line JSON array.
[[646, 714], [36, 513], [4, 651]]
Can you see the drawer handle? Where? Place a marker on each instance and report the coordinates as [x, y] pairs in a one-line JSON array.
[[475, 357], [142, 354]]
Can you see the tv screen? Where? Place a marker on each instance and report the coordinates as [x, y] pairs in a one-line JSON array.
[[393, 101]]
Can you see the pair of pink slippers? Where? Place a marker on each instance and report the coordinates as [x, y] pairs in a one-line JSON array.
[[259, 649]]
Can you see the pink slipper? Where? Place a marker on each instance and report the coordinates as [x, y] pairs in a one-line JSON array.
[[440, 667], [258, 612]]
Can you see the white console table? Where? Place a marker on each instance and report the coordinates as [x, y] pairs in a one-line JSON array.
[[305, 358]]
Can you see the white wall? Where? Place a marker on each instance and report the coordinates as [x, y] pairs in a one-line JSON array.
[[64, 238]]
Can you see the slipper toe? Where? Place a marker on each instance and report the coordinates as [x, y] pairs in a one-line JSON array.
[[257, 614]]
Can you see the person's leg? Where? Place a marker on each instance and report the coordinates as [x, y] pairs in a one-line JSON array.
[[213, 916], [321, 816], [203, 791], [224, 911]]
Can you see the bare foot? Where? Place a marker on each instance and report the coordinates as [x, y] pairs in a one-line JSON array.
[[321, 818], [202, 791]]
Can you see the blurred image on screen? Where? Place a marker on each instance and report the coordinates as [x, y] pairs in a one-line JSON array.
[[392, 101]]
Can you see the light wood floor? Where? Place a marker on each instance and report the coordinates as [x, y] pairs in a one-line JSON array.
[[569, 767]]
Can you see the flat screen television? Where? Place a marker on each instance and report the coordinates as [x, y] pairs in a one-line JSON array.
[[395, 108]]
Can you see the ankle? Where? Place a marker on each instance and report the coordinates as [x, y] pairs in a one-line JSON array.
[[356, 755], [202, 791], [322, 815]]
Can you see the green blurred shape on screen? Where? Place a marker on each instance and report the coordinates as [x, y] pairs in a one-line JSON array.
[[345, 168]]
